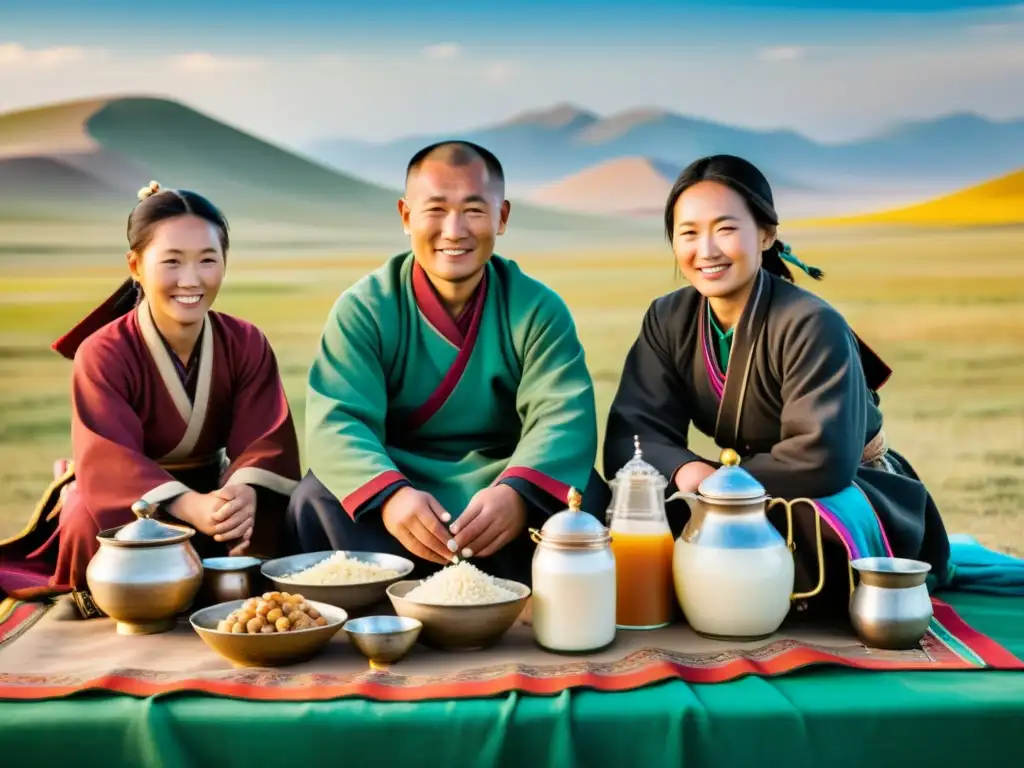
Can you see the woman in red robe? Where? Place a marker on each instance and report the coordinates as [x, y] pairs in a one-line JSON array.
[[172, 403]]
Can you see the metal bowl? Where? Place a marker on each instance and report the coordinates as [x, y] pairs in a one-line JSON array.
[[230, 578], [275, 649], [383, 639], [351, 597], [460, 627]]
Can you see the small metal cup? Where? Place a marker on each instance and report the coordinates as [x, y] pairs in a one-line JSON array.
[[385, 639], [230, 578], [890, 607]]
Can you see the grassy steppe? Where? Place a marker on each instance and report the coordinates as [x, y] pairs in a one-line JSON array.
[[944, 309]]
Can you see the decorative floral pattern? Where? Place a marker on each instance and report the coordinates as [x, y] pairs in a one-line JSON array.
[[950, 645]]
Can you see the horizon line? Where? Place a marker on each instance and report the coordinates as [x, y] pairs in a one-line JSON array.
[[497, 123]]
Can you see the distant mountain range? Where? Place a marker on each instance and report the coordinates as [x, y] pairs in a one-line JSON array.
[[85, 161], [543, 147], [81, 163]]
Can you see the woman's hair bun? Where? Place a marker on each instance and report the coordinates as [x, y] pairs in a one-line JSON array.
[[152, 189]]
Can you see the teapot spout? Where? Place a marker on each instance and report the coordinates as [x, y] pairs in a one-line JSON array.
[[689, 498]]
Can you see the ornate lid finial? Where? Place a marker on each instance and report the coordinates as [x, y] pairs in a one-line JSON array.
[[575, 500], [636, 469], [142, 509], [730, 458]]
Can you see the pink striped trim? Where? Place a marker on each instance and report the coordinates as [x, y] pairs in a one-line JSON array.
[[843, 532], [715, 376], [881, 528], [839, 528]]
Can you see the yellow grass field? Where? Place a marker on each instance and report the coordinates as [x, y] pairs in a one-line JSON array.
[[994, 203], [944, 309]]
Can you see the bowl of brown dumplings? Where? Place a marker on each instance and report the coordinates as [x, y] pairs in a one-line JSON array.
[[272, 630]]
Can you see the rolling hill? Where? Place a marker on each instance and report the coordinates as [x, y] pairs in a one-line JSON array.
[[628, 186], [82, 157], [545, 146], [998, 202], [85, 160], [638, 187]]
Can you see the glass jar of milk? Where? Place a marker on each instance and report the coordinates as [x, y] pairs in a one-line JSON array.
[[573, 582]]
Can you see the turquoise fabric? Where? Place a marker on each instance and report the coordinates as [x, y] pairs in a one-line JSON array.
[[723, 341], [972, 566], [852, 517], [975, 568], [839, 718]]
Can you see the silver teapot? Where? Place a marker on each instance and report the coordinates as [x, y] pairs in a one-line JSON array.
[[733, 571], [145, 573]]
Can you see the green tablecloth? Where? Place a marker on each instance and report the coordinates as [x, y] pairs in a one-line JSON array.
[[818, 717]]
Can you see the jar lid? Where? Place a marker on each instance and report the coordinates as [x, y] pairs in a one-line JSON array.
[[636, 470], [730, 482], [145, 529], [572, 526]]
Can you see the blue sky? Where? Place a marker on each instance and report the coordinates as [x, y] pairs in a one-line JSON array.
[[306, 69], [232, 22]]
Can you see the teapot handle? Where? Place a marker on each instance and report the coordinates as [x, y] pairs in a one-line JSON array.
[[792, 547]]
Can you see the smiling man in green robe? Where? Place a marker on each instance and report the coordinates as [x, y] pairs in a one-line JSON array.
[[449, 407]]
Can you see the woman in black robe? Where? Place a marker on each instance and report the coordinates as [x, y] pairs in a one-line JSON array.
[[774, 372]]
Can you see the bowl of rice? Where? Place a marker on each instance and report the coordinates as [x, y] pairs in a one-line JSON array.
[[461, 607], [348, 580]]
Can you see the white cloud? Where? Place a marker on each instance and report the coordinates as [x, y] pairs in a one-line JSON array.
[[855, 86], [500, 72], [782, 53], [15, 55], [202, 63], [442, 51]]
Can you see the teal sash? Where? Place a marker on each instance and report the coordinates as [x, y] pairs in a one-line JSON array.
[[852, 518]]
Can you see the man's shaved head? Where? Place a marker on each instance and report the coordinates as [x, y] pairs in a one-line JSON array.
[[458, 154], [453, 209]]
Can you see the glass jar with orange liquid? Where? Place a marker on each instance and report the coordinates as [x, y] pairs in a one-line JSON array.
[[642, 544]]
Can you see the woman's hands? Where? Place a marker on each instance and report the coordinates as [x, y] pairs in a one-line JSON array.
[[227, 514]]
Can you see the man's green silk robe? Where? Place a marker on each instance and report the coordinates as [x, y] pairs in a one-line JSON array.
[[401, 393]]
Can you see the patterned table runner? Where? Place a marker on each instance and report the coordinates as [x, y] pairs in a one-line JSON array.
[[47, 654]]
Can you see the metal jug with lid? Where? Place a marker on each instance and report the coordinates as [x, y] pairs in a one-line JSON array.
[[573, 601], [145, 573], [733, 571]]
